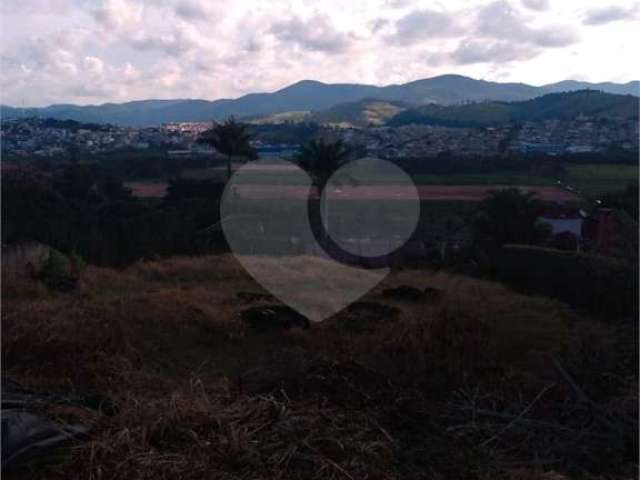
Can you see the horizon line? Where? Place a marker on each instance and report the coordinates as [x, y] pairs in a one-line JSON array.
[[174, 99]]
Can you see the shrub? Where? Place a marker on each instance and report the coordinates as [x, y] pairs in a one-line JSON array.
[[55, 265], [59, 272], [77, 265], [599, 284]]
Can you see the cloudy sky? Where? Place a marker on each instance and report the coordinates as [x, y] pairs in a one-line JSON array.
[[96, 51]]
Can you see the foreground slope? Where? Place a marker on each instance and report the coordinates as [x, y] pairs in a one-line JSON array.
[[478, 382]]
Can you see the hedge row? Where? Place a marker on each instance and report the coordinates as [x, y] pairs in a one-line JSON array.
[[602, 285]]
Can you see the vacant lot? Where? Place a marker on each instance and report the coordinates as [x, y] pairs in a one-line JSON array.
[[150, 189]]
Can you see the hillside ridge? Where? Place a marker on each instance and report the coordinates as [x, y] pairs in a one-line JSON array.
[[309, 95]]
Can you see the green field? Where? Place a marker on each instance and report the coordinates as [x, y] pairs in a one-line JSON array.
[[290, 178], [495, 178], [600, 178], [587, 179]]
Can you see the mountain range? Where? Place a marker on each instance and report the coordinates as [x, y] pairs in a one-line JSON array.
[[311, 95]]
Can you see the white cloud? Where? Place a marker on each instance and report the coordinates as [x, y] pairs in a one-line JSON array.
[[92, 51], [36, 7], [492, 52], [316, 33], [93, 66], [500, 20], [118, 15], [183, 38]]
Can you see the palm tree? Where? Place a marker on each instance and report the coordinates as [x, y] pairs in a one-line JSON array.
[[231, 139], [321, 159]]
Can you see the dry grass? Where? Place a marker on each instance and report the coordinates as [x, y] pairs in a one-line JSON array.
[[466, 387]]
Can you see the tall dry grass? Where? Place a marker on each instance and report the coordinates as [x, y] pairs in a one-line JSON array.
[[467, 386]]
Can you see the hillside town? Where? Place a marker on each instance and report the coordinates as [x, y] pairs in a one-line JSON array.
[[552, 137], [50, 138]]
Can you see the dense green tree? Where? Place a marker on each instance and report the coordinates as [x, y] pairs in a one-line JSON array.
[[230, 138], [82, 210], [77, 182], [626, 200], [510, 216]]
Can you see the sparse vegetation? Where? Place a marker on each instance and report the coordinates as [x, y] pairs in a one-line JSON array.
[[500, 385]]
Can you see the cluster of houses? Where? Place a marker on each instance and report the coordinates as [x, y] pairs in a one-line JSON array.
[[49, 138], [46, 137], [552, 137], [605, 232], [581, 135]]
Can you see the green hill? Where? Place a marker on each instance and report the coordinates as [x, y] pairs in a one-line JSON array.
[[553, 106], [363, 113]]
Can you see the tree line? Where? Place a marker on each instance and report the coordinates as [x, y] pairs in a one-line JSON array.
[[87, 209]]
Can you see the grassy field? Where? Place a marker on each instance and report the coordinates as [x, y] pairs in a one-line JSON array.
[[588, 180], [478, 384], [287, 178], [599, 178], [498, 178]]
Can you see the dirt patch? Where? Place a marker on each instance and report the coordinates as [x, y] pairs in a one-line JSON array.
[[474, 193], [148, 189]]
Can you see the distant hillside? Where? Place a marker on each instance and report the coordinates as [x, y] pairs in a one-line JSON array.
[[552, 106], [629, 88], [363, 113], [309, 95], [279, 118], [70, 125]]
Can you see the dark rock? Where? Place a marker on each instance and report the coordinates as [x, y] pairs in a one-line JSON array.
[[404, 292], [31, 435], [273, 318], [365, 316], [432, 294], [249, 297]]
